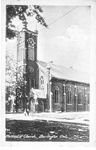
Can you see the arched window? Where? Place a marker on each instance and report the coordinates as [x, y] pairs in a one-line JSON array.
[[56, 94], [42, 82], [31, 49], [31, 53], [69, 96], [88, 97], [80, 97]]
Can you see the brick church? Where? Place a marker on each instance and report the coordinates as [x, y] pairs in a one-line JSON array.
[[50, 87]]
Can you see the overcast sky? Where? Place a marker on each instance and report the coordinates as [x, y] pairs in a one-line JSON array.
[[67, 40]]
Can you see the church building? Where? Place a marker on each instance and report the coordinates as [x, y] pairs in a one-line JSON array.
[[50, 87]]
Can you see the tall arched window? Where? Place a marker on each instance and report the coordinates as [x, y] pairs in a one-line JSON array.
[[80, 96], [88, 97], [56, 94], [42, 82], [69, 96], [31, 49]]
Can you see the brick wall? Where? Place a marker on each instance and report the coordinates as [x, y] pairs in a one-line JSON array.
[[57, 106], [79, 96]]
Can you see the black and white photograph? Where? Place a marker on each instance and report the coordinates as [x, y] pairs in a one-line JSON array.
[[48, 75]]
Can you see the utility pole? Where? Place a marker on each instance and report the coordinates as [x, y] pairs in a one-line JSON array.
[[49, 97]]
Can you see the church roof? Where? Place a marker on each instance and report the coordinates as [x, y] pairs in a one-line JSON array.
[[64, 73]]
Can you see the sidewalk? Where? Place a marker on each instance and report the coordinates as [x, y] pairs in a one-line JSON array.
[[70, 117]]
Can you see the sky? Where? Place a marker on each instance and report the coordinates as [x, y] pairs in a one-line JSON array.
[[66, 42]]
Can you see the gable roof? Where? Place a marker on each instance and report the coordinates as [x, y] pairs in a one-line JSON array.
[[37, 93], [64, 73]]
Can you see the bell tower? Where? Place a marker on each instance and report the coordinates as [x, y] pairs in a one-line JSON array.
[[27, 58]]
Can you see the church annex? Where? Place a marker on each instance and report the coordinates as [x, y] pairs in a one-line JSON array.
[[50, 87]]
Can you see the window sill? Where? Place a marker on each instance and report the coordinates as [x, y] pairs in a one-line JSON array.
[[69, 104], [56, 103]]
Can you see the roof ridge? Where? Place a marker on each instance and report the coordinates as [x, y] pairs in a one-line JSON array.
[[62, 72], [64, 67]]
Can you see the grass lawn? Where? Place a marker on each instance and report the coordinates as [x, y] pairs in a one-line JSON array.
[[40, 130]]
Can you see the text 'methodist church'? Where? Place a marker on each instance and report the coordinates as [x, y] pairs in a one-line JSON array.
[[50, 87]]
